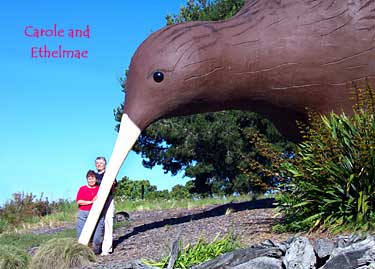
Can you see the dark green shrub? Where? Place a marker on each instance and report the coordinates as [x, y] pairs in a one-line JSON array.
[[333, 174], [12, 257], [180, 192]]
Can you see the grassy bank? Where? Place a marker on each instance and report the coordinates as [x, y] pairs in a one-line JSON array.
[[25, 238], [25, 241], [17, 217], [141, 205]]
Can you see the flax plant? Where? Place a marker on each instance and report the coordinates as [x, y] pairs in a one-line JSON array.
[[333, 174], [199, 252]]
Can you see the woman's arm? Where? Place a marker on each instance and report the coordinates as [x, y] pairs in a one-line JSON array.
[[86, 202]]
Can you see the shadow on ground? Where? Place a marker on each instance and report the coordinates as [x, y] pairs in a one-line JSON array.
[[213, 212]]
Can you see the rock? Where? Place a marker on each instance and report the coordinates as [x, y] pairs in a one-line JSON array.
[[282, 246], [347, 240], [370, 266], [360, 253], [140, 265], [237, 257], [121, 216], [345, 260], [268, 243], [300, 255], [324, 248], [357, 243], [368, 258], [135, 264], [261, 263], [31, 251]]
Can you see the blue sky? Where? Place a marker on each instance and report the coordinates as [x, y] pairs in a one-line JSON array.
[[57, 114]]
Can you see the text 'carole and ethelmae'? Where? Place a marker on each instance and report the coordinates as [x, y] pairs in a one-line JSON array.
[[56, 32]]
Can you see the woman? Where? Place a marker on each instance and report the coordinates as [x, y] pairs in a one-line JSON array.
[[86, 196]]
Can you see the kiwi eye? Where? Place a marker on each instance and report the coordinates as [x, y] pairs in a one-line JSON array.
[[158, 76]]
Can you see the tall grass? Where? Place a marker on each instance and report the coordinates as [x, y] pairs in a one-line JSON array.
[[64, 212], [141, 205], [26, 211], [61, 254], [25, 241], [12, 257]]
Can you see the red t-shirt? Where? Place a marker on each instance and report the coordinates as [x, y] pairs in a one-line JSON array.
[[87, 194]]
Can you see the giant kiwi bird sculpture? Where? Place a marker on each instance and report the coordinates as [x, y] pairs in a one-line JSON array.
[[275, 57]]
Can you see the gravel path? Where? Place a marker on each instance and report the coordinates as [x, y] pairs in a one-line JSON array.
[[151, 233]]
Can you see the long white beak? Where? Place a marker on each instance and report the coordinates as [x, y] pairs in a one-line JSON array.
[[126, 138]]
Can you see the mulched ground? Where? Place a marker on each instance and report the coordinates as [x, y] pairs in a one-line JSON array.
[[151, 233]]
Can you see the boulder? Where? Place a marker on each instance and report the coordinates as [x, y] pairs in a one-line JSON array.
[[121, 216], [261, 263], [323, 248], [345, 260], [354, 255], [237, 257], [300, 254]]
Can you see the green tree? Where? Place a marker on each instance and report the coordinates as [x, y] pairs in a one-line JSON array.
[[179, 192], [132, 189], [211, 148], [202, 10]]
